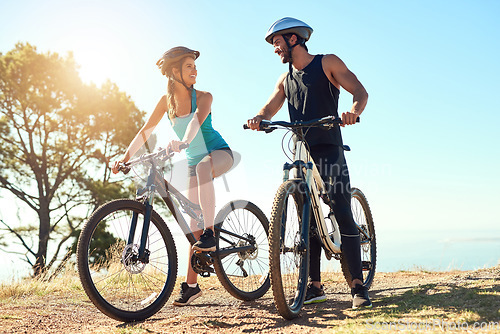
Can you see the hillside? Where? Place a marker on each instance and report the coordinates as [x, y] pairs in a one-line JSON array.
[[416, 301]]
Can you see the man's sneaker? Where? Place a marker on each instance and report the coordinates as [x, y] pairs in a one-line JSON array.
[[360, 297], [206, 242], [187, 294], [314, 295]]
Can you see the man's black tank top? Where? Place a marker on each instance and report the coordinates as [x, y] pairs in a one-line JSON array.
[[311, 95]]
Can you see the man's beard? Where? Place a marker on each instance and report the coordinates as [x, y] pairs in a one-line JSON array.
[[287, 58]]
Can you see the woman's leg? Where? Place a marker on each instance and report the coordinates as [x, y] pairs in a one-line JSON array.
[[213, 165], [192, 195]]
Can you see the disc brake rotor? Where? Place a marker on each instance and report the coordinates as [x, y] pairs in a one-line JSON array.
[[129, 259]]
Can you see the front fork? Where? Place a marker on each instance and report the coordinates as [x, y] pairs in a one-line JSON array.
[[143, 253], [306, 207]]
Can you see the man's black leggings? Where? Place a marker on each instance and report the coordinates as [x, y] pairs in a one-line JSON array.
[[332, 166]]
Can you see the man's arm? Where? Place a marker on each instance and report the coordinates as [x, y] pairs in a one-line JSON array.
[[340, 76], [273, 105]]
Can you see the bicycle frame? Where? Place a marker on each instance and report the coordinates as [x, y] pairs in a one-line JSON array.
[[303, 186], [315, 184], [316, 188], [156, 183]]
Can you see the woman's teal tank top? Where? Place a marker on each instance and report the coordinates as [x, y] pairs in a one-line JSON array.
[[206, 140]]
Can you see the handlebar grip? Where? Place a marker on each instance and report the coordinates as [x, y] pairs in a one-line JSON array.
[[122, 167], [181, 147], [245, 127]]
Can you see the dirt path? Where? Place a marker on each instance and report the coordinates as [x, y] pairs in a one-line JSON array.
[[216, 311]]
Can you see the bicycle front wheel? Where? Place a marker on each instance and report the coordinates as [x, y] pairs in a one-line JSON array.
[[243, 251], [288, 252], [120, 284], [363, 217]]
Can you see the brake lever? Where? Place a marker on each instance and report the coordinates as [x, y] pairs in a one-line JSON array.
[[269, 130], [331, 125]]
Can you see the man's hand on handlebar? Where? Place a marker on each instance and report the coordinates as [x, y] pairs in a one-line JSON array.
[[254, 123], [349, 118]]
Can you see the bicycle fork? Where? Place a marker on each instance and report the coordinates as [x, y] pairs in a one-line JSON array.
[[142, 253]]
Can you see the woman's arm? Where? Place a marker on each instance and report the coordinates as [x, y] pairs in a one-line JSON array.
[[204, 107], [142, 136]]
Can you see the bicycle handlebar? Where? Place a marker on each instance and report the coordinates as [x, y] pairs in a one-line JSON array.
[[328, 121], [163, 154]]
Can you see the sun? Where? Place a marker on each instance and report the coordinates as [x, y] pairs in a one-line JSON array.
[[96, 37], [100, 55]]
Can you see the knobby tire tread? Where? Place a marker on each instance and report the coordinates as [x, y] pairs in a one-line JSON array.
[[84, 273], [371, 228], [274, 249]]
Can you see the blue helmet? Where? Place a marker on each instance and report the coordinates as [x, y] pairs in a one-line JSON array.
[[289, 25]]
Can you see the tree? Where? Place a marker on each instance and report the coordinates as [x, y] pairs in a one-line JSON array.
[[57, 136]]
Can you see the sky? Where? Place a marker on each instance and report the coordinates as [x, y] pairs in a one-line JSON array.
[[426, 151]]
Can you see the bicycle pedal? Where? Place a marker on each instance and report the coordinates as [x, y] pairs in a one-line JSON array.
[[366, 265]]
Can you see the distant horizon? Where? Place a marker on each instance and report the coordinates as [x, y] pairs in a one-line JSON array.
[[390, 257]]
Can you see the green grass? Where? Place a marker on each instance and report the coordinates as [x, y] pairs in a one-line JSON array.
[[66, 282], [436, 307]]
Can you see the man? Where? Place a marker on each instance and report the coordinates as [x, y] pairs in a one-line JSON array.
[[312, 88]]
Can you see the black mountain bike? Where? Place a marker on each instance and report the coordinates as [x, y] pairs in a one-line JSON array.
[[127, 259], [296, 201]]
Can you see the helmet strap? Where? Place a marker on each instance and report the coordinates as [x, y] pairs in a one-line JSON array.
[[182, 81], [290, 47], [290, 58]]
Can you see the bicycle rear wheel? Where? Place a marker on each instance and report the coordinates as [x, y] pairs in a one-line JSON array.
[[120, 285], [244, 274], [363, 218], [288, 251]]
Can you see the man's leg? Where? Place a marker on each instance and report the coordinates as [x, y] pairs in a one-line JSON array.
[[314, 293], [333, 169]]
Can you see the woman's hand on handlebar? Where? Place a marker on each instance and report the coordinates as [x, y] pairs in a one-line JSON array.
[[116, 166], [176, 146]]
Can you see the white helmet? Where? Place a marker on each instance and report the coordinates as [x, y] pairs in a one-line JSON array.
[[289, 25]]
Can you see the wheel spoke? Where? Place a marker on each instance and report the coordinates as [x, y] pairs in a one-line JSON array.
[[249, 223], [112, 276]]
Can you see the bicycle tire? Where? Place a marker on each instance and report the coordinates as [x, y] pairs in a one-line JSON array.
[[245, 275], [288, 254], [363, 217], [124, 289]]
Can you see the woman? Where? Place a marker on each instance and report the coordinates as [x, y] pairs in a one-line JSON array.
[[209, 156]]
